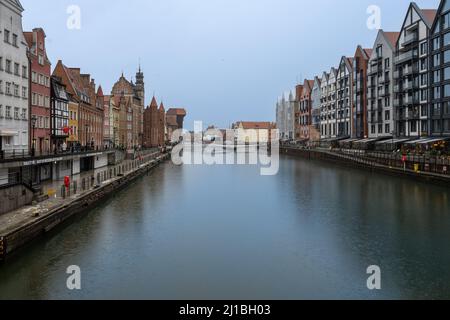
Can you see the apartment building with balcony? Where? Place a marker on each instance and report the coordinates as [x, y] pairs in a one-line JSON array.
[[344, 98], [439, 124], [328, 105], [412, 103], [380, 80], [14, 81], [359, 107], [316, 104]]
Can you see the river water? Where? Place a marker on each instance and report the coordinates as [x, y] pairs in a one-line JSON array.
[[226, 232]]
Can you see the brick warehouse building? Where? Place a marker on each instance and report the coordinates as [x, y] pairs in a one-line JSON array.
[[39, 124], [154, 125]]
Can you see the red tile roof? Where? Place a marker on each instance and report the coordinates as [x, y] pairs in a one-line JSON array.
[[248, 125], [392, 37], [430, 14], [177, 112]]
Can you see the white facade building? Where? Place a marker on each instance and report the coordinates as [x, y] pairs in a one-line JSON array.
[[328, 109], [344, 121], [14, 74], [380, 84]]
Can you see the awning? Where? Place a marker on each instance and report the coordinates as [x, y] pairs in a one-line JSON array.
[[390, 141], [418, 141], [433, 140], [8, 133]]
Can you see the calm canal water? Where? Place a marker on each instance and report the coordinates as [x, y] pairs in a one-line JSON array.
[[225, 232]]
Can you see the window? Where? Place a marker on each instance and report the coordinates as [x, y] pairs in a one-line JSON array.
[[16, 69], [1, 63], [8, 112], [14, 40], [423, 95], [16, 113], [24, 114], [423, 64], [447, 91], [446, 108], [436, 43], [423, 79], [6, 36], [8, 66], [447, 56], [446, 39], [436, 111], [16, 90], [24, 72], [423, 48], [436, 92], [447, 73], [8, 88], [387, 128], [387, 116], [436, 60], [1, 86], [24, 93], [445, 22], [41, 59], [437, 76], [387, 63]]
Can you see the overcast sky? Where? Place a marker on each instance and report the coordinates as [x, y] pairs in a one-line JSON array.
[[222, 60]]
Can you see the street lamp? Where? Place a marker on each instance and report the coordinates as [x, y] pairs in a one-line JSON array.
[[33, 125], [86, 137]]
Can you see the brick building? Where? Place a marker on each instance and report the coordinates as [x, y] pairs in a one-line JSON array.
[[90, 104], [154, 125], [40, 135]]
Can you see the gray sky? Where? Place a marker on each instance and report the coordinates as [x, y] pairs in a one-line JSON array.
[[222, 60]]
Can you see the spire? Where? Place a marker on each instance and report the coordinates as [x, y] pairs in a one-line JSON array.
[[154, 103], [100, 91]]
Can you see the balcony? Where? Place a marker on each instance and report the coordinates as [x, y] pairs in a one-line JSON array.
[[410, 85], [410, 38], [398, 89], [410, 100], [410, 70], [382, 92], [373, 69], [406, 57], [412, 115]]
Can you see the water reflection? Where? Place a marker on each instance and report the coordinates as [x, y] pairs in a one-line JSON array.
[[225, 232]]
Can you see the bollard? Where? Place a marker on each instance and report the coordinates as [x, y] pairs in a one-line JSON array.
[[63, 191], [75, 187]]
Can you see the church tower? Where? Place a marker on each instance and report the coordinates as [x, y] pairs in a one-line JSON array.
[[140, 87]]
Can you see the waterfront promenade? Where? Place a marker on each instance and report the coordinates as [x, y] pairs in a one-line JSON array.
[[431, 169], [85, 188]]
